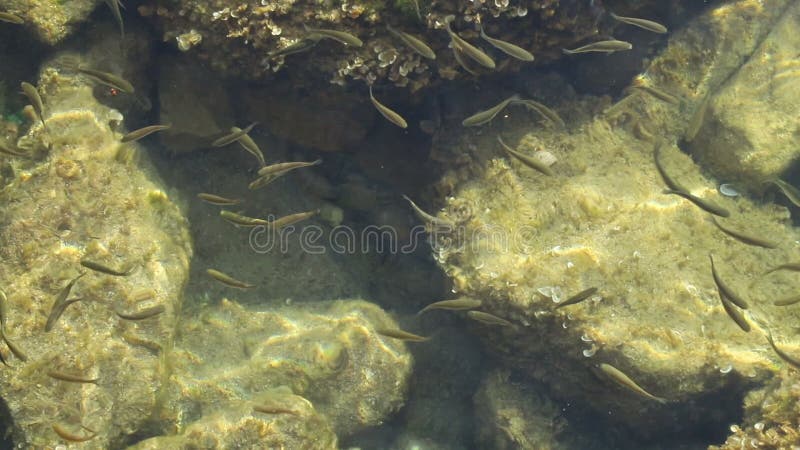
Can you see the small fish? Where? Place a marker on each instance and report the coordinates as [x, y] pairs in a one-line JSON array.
[[617, 376], [579, 297], [10, 151], [3, 320], [648, 25], [72, 437], [250, 146], [401, 335], [70, 377], [234, 136], [724, 289], [32, 93], [788, 301], [270, 409], [659, 94], [109, 79], [244, 221], [548, 113], [291, 219], [461, 62], [609, 46], [228, 280], [97, 267], [792, 361], [61, 303], [696, 121], [390, 115], [508, 48], [465, 47], [788, 190], [703, 204], [459, 304], [340, 36], [141, 314], [670, 182], [794, 267], [14, 348], [303, 45], [747, 239], [525, 159], [11, 18], [483, 117], [3, 309], [734, 314], [142, 132], [488, 319], [413, 42], [114, 6], [429, 219], [270, 173], [281, 168], [217, 200]]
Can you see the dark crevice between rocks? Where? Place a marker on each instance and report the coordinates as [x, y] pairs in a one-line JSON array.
[[7, 424], [679, 425]]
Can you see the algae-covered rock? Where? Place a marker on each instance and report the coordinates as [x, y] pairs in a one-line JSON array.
[[85, 196], [749, 133], [238, 39], [772, 417], [275, 419], [327, 353], [51, 21], [528, 241], [513, 415]]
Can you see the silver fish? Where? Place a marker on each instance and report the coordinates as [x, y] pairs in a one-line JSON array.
[[609, 46], [508, 48], [390, 115], [645, 24], [250, 146], [413, 42], [468, 49], [32, 93], [340, 36], [114, 6], [11, 18], [625, 381], [233, 136], [486, 116]]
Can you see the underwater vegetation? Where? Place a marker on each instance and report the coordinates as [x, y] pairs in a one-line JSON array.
[[631, 284]]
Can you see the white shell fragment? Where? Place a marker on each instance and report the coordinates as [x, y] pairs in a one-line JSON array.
[[728, 190], [545, 157]]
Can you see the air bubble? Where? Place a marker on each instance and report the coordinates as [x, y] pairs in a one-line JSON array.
[[759, 426], [726, 369], [589, 352], [586, 338]]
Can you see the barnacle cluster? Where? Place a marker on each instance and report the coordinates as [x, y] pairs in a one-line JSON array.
[[772, 417], [237, 39]]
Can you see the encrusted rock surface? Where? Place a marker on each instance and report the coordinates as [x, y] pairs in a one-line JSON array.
[[327, 353], [237, 39], [528, 241], [749, 133], [50, 21], [84, 195]]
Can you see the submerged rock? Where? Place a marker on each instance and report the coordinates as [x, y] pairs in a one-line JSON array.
[[86, 196], [527, 242], [749, 133], [51, 21], [511, 414], [275, 419], [328, 353]]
